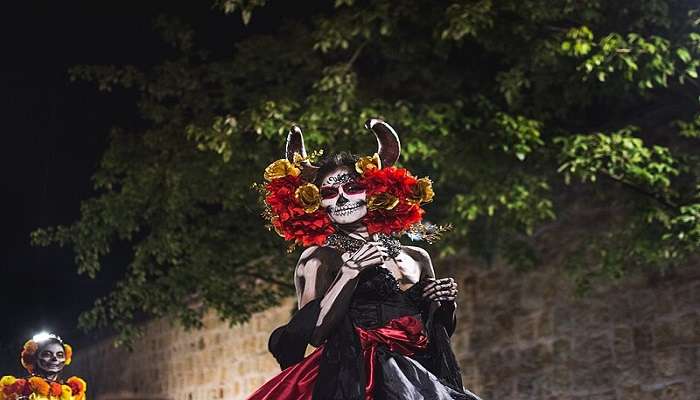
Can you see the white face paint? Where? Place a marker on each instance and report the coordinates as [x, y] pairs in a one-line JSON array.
[[344, 199], [51, 358]]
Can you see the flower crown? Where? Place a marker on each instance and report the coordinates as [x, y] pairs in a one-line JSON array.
[[37, 388], [394, 196], [28, 354]]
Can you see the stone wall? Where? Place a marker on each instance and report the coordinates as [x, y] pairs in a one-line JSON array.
[[216, 362], [528, 337], [520, 336]]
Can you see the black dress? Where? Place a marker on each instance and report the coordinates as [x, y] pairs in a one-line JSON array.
[[389, 346]]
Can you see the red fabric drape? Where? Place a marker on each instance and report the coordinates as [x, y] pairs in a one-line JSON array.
[[294, 383], [402, 335]]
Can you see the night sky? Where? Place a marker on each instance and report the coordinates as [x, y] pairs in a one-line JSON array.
[[54, 132]]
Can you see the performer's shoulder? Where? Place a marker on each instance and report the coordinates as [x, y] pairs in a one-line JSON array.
[[308, 252], [318, 252], [320, 256], [417, 253]]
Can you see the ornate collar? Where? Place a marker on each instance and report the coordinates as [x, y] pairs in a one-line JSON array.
[[347, 243]]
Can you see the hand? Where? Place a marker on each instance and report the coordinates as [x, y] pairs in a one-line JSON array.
[[366, 256], [444, 289], [381, 247]]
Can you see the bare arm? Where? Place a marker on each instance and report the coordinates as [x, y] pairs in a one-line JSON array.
[[314, 278]]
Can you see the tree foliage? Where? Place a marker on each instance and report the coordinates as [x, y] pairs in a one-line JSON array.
[[555, 129]]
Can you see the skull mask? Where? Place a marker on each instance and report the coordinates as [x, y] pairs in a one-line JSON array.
[[343, 198], [50, 359]]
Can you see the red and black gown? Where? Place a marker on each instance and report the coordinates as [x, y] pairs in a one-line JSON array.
[[389, 346]]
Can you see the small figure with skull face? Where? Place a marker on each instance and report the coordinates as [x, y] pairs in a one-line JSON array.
[[366, 301], [44, 357]]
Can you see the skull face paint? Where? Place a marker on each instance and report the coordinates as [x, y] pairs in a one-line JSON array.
[[50, 358], [343, 198]]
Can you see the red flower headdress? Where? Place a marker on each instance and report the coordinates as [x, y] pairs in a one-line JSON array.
[[292, 201]]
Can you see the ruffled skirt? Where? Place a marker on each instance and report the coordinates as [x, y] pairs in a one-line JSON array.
[[391, 373]]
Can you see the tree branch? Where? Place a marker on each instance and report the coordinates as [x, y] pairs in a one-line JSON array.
[[661, 200], [355, 55]]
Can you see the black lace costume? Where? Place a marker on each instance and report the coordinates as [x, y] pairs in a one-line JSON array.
[[430, 374]]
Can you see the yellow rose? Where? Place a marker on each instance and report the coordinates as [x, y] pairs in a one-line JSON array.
[[7, 380], [280, 169], [422, 191], [308, 196], [368, 162], [383, 201], [66, 392]]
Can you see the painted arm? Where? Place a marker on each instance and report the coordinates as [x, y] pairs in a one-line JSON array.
[[315, 278], [442, 291]]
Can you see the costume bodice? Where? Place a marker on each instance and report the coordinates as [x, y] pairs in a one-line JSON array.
[[378, 299]]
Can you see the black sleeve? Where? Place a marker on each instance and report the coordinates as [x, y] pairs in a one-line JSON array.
[[447, 316], [341, 374], [444, 364], [288, 342]]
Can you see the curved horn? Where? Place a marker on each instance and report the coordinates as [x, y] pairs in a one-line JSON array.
[[389, 145], [295, 144]]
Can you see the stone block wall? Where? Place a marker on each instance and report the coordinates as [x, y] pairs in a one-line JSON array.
[[169, 363], [528, 337], [520, 336]]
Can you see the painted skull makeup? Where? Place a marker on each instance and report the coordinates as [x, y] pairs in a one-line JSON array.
[[50, 358], [343, 198]]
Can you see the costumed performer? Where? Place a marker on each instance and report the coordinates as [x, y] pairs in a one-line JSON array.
[[373, 307], [44, 357]]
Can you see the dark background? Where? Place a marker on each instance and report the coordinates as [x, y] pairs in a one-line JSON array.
[[53, 134]]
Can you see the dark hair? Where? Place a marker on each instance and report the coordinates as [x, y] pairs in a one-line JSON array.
[[328, 164]]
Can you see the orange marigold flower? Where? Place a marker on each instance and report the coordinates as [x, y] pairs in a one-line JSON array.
[[55, 389], [27, 357], [30, 346], [39, 385], [69, 353]]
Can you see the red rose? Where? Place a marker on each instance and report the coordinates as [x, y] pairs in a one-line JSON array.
[[55, 389], [290, 219], [399, 183], [21, 387], [74, 387]]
